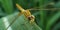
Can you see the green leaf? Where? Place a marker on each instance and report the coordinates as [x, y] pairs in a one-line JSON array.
[[57, 26], [8, 6], [52, 20], [42, 13], [1, 25], [1, 13], [57, 5], [21, 23]]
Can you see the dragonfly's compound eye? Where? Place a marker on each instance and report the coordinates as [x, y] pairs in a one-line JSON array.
[[31, 17]]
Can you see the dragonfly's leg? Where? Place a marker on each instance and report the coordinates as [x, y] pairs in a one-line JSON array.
[[31, 21]]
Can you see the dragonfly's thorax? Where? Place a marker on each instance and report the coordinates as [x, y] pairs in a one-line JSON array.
[[27, 13]]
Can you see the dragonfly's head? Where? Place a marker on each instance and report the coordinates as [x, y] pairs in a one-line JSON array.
[[31, 17]]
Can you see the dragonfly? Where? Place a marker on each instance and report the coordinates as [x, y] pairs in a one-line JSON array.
[[27, 13]]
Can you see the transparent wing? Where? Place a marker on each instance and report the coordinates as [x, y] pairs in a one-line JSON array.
[[14, 20], [44, 9]]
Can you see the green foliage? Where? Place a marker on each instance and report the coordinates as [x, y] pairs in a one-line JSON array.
[[8, 6], [44, 19], [52, 20]]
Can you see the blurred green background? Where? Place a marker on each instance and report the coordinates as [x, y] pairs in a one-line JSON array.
[[44, 19]]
